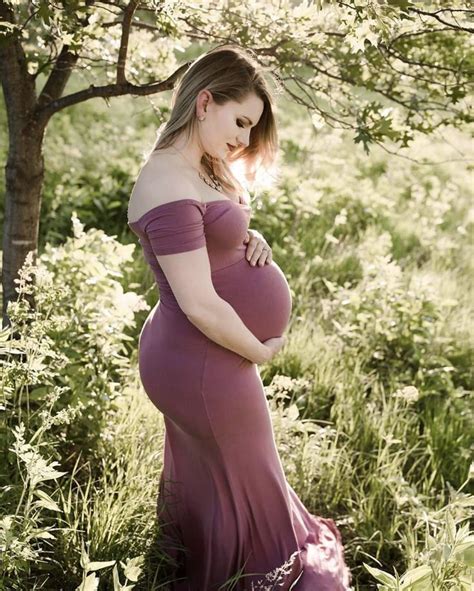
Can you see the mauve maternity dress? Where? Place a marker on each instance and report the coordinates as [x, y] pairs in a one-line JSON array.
[[224, 505]]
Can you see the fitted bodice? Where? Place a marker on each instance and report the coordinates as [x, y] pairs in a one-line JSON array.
[[181, 225], [260, 295]]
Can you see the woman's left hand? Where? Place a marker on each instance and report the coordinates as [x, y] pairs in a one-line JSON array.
[[258, 251]]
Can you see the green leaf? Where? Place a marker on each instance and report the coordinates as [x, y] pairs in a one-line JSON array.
[[465, 551], [115, 576], [46, 501], [383, 577], [44, 535], [403, 4], [450, 527], [44, 13], [101, 564], [133, 568], [84, 557], [293, 412], [417, 575], [91, 583], [50, 473]]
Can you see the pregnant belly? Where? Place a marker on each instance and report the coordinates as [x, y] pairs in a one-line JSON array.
[[260, 296]]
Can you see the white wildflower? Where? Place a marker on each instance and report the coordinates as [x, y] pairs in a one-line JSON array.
[[409, 394]]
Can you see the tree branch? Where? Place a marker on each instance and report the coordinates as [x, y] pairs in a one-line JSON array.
[[111, 90], [407, 73], [314, 106], [137, 24], [31, 17], [442, 21], [60, 74], [122, 56], [405, 60], [409, 34], [415, 161]]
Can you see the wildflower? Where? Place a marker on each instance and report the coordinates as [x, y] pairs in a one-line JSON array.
[[409, 394]]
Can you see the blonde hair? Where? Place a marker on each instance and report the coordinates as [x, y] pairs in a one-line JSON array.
[[229, 73]]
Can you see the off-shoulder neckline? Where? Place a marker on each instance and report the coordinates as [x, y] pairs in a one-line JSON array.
[[203, 203]]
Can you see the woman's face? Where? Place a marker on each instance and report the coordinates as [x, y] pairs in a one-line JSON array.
[[227, 125]]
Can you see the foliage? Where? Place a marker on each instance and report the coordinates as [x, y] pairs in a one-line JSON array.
[[78, 327], [62, 368], [383, 321], [22, 532], [448, 558], [313, 454], [102, 151], [361, 66], [132, 570]]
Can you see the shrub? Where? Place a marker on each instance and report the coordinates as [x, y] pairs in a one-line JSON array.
[[62, 359]]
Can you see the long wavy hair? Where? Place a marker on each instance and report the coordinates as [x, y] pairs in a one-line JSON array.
[[228, 72]]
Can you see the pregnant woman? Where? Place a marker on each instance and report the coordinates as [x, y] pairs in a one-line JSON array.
[[225, 509]]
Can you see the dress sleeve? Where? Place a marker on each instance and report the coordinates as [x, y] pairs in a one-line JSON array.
[[177, 226]]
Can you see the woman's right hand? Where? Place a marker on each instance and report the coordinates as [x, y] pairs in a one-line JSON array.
[[273, 346]]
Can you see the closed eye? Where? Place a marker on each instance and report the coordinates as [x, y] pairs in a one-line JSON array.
[[240, 123]]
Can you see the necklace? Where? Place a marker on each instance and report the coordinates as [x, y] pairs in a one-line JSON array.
[[213, 182]]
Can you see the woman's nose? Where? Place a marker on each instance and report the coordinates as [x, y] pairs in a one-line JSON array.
[[244, 139]]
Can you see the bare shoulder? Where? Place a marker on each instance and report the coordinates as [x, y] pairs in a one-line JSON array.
[[162, 179]]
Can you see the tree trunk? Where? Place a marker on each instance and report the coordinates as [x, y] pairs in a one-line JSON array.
[[24, 170], [24, 173]]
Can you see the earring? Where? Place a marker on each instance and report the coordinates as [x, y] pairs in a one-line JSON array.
[[201, 118]]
